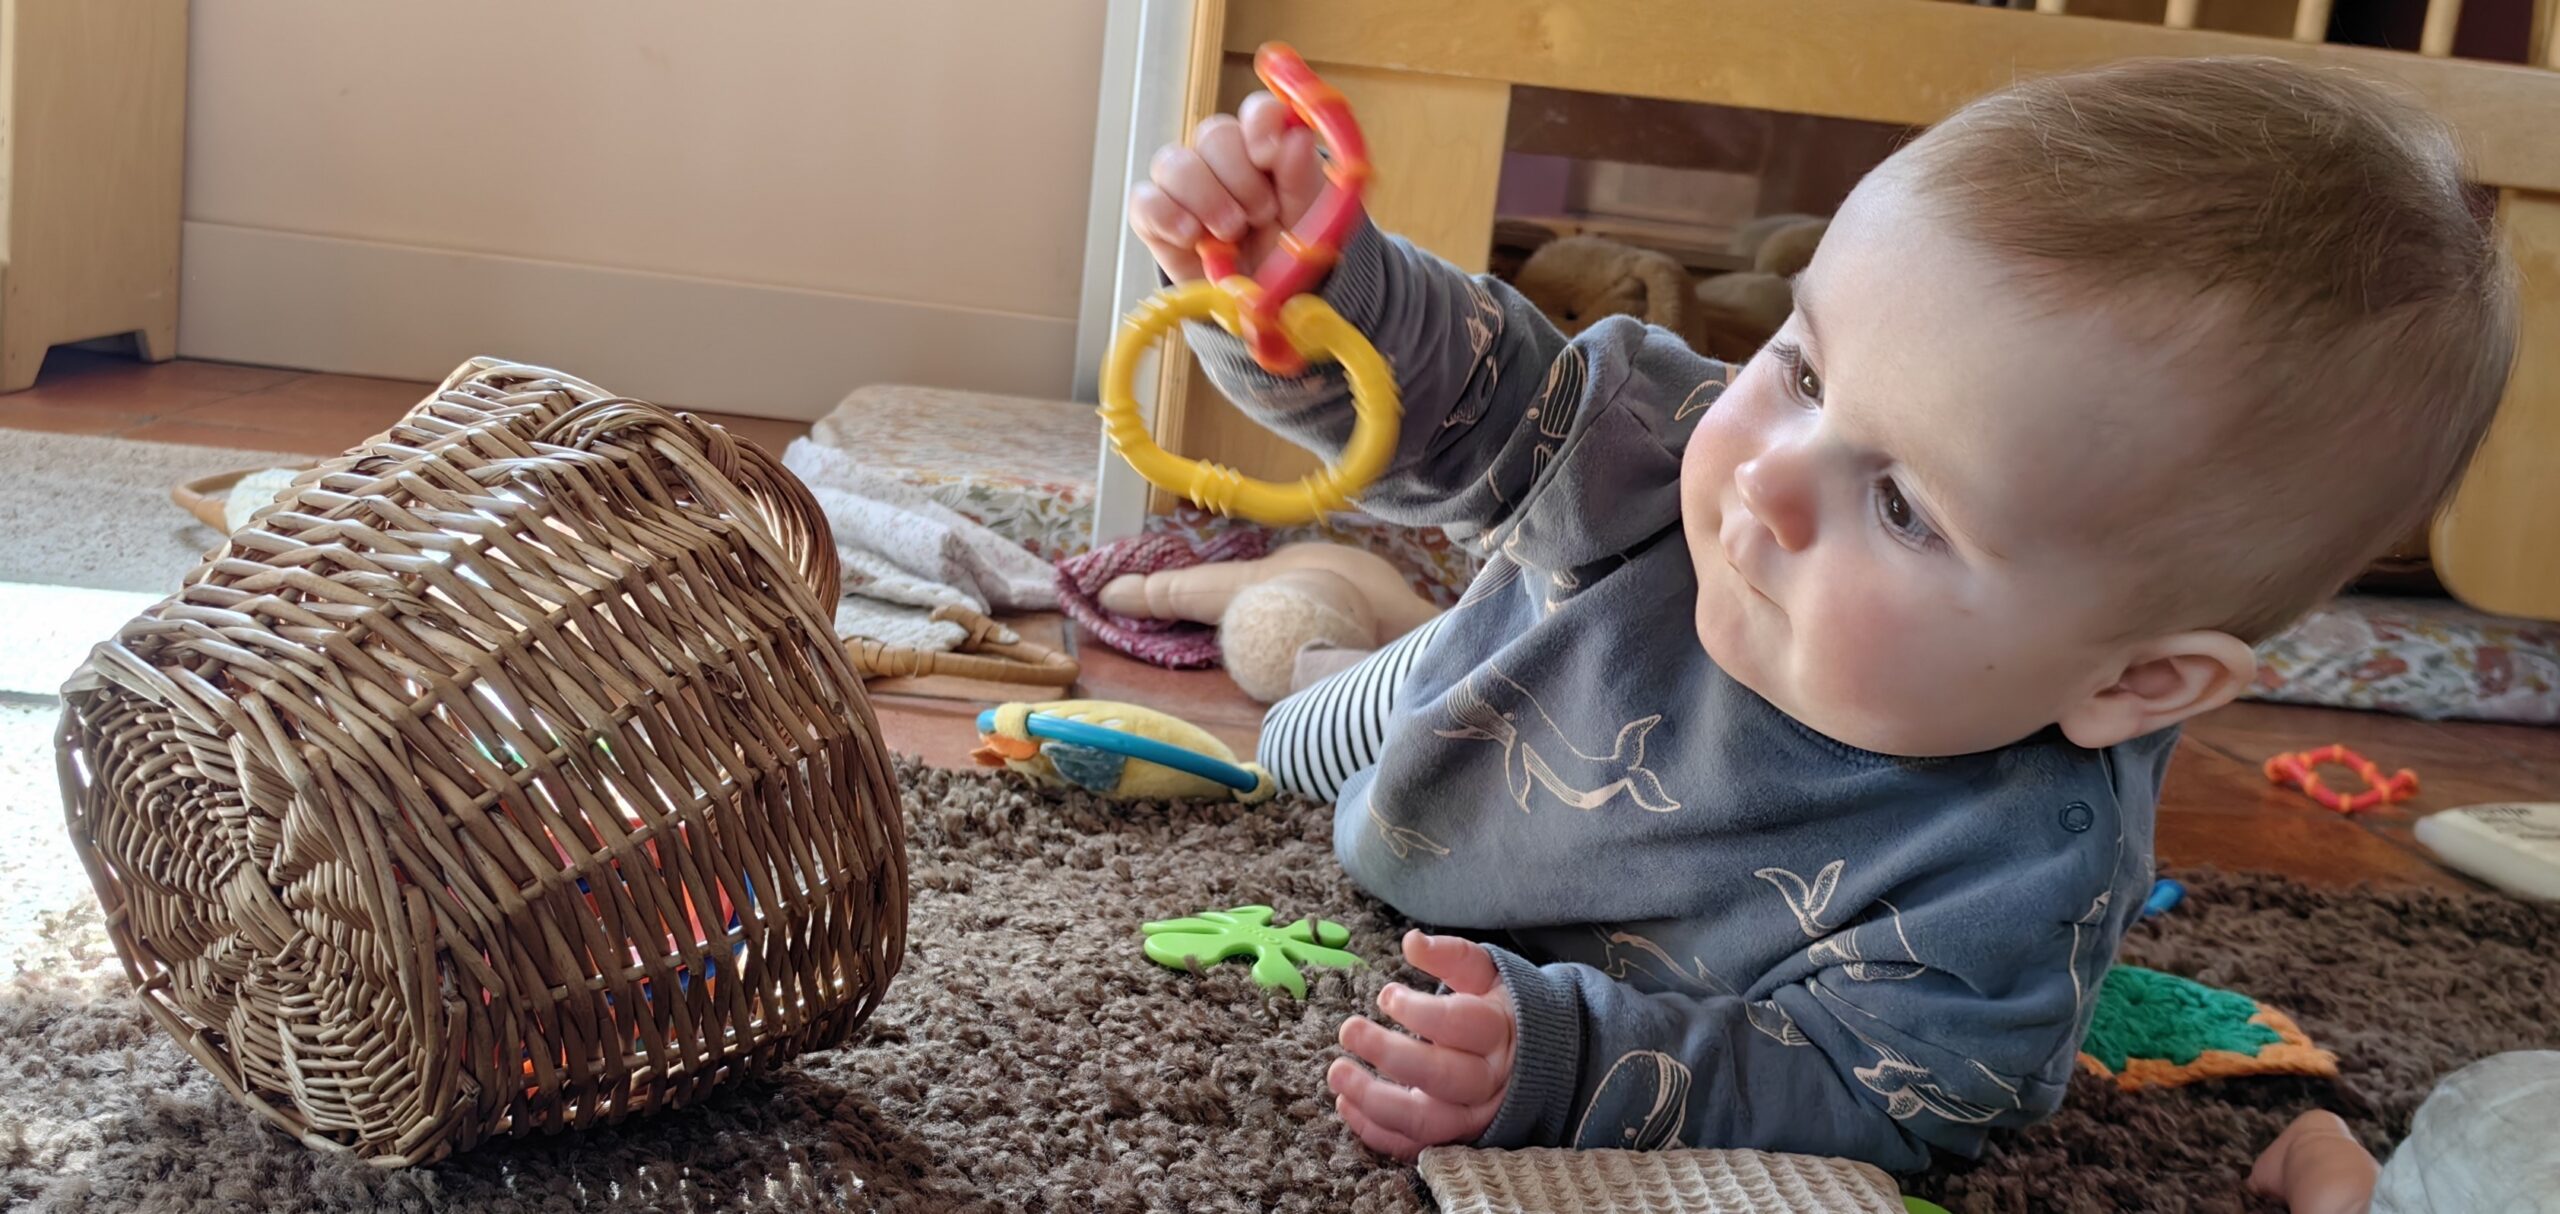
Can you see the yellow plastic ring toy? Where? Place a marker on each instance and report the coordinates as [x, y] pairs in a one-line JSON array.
[[1317, 332]]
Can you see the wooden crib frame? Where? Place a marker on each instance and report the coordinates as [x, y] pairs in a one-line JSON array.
[[1432, 79]]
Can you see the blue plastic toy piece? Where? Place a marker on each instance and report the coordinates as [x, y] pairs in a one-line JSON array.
[[2165, 896], [1147, 750]]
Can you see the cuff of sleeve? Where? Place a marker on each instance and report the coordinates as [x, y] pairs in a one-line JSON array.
[[1545, 1060], [1356, 288]]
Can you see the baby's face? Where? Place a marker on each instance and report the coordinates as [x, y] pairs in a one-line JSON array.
[[1889, 508]]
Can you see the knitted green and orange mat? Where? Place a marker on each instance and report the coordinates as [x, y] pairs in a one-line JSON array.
[[2156, 1030]]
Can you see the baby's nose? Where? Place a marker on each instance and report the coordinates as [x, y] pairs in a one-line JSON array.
[[1775, 489]]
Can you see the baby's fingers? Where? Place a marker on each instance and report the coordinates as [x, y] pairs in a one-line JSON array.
[[1284, 151], [1298, 175], [1379, 1138], [1191, 184], [1263, 118], [1169, 232], [1472, 1023], [1419, 1118], [1437, 1070], [1220, 143], [1460, 962]]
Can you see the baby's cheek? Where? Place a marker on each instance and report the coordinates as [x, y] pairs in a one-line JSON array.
[[1873, 654], [1706, 464]]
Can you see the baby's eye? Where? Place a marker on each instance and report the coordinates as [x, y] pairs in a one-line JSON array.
[[1800, 377], [1900, 517]]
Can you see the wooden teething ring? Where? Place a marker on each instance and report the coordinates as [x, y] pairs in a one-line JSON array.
[[1282, 326]]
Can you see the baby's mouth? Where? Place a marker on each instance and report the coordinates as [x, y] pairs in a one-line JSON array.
[[1725, 553]]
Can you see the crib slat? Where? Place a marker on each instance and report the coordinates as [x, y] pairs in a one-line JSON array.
[[1652, 48], [2049, 6], [2443, 18], [2182, 13], [2311, 21]]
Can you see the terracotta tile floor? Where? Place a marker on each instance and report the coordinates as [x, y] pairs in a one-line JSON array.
[[254, 408], [2217, 808]]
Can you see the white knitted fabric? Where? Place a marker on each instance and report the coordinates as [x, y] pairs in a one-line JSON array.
[[904, 554], [2482, 1141], [253, 493], [1549, 1180]]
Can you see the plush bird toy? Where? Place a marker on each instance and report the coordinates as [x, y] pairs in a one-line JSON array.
[[1120, 751]]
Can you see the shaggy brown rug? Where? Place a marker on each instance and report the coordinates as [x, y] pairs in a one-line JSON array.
[[1030, 1058]]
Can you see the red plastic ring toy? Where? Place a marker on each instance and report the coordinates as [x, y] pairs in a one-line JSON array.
[[2296, 771], [1306, 252]]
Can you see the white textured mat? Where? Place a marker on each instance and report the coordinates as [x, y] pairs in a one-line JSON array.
[[1547, 1180]]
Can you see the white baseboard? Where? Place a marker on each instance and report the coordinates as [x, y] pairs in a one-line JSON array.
[[250, 295]]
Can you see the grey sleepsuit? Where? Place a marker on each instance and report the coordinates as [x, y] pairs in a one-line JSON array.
[[1718, 927]]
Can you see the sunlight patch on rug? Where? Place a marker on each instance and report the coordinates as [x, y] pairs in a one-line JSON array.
[[53, 628]]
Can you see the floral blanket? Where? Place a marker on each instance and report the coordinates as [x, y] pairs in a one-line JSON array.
[[2419, 657]]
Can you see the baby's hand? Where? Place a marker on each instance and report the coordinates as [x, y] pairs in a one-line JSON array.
[[1443, 1083], [2316, 1167], [1243, 180]]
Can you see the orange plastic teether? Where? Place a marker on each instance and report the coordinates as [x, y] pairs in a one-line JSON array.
[[2296, 770]]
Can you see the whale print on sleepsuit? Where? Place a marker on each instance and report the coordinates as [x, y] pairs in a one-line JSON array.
[[1640, 1104], [1536, 753]]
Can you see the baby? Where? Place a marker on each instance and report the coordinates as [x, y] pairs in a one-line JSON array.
[[1796, 751], [2482, 1141]]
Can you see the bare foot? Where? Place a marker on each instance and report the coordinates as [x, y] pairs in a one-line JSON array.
[[2316, 1167]]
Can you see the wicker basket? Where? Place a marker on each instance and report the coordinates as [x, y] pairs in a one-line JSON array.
[[504, 777]]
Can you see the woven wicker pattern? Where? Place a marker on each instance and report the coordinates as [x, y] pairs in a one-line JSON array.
[[504, 777], [1547, 1180]]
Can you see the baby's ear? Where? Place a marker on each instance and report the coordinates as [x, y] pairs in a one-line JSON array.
[[2159, 683]]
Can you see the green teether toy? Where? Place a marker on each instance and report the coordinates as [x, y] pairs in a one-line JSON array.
[[1213, 936]]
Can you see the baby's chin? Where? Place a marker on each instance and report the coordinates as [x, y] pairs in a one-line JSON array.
[[1726, 636], [1842, 719], [1756, 644]]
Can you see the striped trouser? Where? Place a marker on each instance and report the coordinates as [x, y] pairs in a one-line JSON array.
[[1316, 740]]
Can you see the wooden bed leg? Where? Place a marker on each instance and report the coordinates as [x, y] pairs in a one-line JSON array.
[[157, 342], [2493, 546], [21, 357], [93, 167]]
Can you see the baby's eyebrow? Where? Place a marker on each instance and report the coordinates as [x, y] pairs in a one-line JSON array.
[[1956, 531]]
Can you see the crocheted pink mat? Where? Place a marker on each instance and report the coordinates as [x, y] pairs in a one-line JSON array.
[[1178, 644]]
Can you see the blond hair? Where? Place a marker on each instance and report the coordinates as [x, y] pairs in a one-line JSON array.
[[2307, 231]]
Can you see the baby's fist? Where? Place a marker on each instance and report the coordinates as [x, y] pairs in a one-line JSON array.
[[1443, 1079], [1243, 180]]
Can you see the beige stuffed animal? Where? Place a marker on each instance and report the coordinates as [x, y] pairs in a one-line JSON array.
[[1272, 612], [1580, 280], [1734, 314], [1779, 244]]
